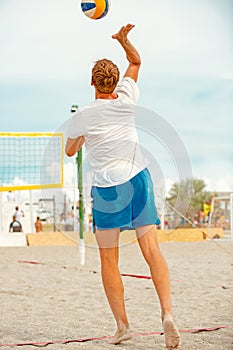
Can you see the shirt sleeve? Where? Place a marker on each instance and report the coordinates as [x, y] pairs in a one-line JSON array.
[[128, 89], [76, 126]]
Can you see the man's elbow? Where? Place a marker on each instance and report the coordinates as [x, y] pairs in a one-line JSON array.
[[74, 145], [138, 61], [69, 152]]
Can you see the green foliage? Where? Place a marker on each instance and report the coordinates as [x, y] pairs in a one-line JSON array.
[[188, 196]]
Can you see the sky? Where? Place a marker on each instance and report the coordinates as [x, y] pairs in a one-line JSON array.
[[48, 48]]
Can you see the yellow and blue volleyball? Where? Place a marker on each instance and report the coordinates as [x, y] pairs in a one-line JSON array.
[[95, 9]]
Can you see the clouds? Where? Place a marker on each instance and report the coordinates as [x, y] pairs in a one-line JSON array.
[[192, 39], [222, 183], [48, 47], [53, 40], [35, 40]]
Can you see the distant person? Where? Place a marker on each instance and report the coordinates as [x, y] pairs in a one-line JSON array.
[[38, 225], [166, 226], [19, 214], [206, 210], [10, 196], [182, 221], [15, 225], [201, 217]]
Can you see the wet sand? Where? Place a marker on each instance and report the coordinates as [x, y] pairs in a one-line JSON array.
[[58, 299]]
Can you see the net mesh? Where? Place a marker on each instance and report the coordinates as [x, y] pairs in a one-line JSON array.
[[30, 161]]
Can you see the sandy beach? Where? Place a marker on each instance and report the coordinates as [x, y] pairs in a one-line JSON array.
[[57, 299]]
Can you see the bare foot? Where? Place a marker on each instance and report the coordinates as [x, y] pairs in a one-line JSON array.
[[171, 333], [121, 335]]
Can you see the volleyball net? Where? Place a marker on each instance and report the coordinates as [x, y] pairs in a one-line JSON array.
[[31, 161]]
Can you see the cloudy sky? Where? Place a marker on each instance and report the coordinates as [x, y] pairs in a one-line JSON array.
[[49, 46]]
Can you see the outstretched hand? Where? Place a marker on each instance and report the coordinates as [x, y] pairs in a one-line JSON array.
[[132, 54], [121, 36]]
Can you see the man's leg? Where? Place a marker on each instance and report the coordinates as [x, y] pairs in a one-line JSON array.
[[148, 242], [108, 247]]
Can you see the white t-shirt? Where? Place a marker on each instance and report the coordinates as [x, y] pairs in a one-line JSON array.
[[111, 138], [18, 215]]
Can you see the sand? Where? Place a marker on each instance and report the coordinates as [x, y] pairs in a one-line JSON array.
[[59, 299]]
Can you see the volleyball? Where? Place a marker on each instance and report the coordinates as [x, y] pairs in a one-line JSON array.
[[95, 9]]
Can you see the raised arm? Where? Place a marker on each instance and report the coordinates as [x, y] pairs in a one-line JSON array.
[[132, 54]]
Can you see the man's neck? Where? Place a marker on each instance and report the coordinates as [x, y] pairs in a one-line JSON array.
[[101, 95]]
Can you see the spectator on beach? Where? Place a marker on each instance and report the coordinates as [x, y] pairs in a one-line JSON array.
[[10, 196], [206, 210], [201, 216], [18, 214], [182, 221], [166, 226], [15, 225], [38, 225]]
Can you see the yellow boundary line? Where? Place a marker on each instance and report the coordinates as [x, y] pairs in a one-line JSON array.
[[30, 187], [32, 134]]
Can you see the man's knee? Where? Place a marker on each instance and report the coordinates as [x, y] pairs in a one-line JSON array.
[[109, 257], [148, 242], [145, 231], [147, 235]]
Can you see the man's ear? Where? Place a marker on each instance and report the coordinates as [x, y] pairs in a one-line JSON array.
[[92, 82]]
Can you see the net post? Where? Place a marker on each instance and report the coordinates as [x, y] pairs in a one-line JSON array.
[[79, 156], [231, 214], [1, 211], [54, 214], [74, 194], [80, 188]]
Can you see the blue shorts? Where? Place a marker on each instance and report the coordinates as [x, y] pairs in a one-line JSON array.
[[126, 206]]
